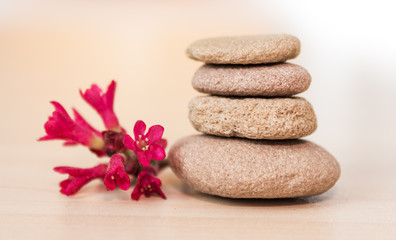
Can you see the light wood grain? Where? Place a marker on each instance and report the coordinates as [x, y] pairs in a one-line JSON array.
[[361, 206]]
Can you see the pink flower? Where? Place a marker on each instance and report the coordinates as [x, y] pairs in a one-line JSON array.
[[78, 177], [116, 174], [147, 184], [146, 146], [61, 126], [103, 104], [127, 156]]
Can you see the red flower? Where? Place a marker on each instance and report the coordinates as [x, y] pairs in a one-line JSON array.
[[103, 104], [125, 153], [147, 184], [61, 126], [116, 174], [78, 177], [149, 146]]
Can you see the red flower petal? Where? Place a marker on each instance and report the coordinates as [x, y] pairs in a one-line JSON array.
[[147, 184], [59, 108], [163, 143], [82, 122], [123, 181], [103, 104], [158, 190], [72, 171], [98, 170], [70, 143], [129, 142], [157, 152], [154, 133], [74, 185], [64, 183], [47, 137], [143, 159], [109, 182], [139, 129], [78, 177], [95, 88], [109, 96], [61, 126], [116, 175], [136, 194]]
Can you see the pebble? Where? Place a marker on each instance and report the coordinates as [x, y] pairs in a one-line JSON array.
[[274, 80], [254, 118], [242, 168], [254, 49]]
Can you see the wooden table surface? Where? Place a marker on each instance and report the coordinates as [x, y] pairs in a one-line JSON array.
[[362, 205]]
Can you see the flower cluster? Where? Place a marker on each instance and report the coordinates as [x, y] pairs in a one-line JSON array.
[[128, 156]]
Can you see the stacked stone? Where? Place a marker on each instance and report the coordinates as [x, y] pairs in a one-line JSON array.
[[251, 123]]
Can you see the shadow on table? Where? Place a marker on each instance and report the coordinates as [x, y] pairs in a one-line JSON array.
[[252, 202]]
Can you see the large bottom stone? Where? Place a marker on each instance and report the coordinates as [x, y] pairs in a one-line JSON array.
[[242, 168]]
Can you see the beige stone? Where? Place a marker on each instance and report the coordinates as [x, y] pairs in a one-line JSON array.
[[253, 49], [255, 118], [267, 80], [242, 168]]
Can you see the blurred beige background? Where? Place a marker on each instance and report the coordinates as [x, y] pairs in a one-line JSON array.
[[51, 49]]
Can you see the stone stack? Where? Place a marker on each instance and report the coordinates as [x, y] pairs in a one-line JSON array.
[[251, 123]]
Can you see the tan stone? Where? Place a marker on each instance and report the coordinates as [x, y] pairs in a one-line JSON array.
[[254, 49], [242, 168], [267, 80], [255, 118]]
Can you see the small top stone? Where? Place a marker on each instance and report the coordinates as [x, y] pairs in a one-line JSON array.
[[254, 49]]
